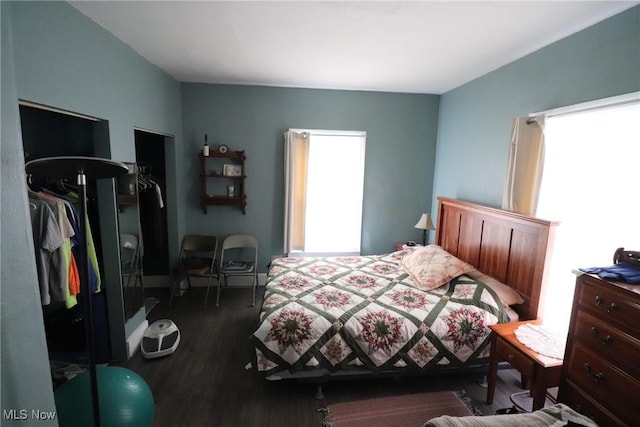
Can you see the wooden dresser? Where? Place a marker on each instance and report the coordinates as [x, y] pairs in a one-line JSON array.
[[601, 372]]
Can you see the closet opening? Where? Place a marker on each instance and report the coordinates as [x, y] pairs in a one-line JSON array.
[[151, 162], [50, 132]]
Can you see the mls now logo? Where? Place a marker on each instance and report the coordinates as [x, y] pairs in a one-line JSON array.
[[23, 414], [15, 414]]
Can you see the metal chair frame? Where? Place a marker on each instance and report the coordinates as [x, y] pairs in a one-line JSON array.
[[197, 259], [131, 267], [239, 242]]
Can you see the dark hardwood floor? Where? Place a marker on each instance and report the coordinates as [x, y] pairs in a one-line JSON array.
[[205, 383]]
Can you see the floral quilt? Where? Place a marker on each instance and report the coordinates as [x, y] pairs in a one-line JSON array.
[[354, 313]]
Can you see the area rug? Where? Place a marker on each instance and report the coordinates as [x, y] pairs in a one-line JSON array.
[[411, 410]]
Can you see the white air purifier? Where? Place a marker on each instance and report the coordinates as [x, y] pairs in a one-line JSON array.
[[160, 339]]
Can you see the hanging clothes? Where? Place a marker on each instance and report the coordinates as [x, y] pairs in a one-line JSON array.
[[66, 254], [47, 239], [56, 235], [151, 205], [95, 281]]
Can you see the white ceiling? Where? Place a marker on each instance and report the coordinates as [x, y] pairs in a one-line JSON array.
[[389, 46]]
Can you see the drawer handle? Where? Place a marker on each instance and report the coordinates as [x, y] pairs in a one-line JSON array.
[[596, 378], [604, 341], [600, 303]]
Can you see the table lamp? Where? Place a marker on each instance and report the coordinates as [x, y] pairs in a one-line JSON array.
[[425, 224]]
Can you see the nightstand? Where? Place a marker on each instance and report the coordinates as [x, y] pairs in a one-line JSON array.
[[540, 372]]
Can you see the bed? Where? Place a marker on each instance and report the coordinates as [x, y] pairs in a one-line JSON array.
[[407, 311]]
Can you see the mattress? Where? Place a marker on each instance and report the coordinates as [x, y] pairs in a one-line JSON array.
[[365, 313]]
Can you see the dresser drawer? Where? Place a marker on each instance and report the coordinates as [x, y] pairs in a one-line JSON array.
[[610, 304], [609, 386], [573, 397], [605, 340], [515, 358]]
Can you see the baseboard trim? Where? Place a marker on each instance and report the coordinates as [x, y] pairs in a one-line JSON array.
[[134, 340], [239, 281]]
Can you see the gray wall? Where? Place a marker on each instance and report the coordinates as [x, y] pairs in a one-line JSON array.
[[26, 381], [65, 60], [475, 119], [54, 55], [400, 153]]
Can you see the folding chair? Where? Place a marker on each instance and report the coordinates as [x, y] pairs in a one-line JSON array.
[[239, 257], [197, 259], [131, 263]]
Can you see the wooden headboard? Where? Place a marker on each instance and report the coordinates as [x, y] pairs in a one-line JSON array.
[[513, 248]]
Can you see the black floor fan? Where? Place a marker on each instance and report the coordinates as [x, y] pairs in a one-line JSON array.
[[81, 168]]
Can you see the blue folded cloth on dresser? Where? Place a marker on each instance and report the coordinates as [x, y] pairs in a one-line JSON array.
[[622, 272]]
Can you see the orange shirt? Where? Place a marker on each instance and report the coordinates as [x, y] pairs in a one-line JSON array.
[[74, 277]]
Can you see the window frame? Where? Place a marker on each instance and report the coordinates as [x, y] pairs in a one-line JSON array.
[[288, 175]]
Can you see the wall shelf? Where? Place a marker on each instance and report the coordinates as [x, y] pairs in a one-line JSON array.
[[219, 173]]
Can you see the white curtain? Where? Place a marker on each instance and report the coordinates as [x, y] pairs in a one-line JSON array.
[[526, 161], [296, 158]]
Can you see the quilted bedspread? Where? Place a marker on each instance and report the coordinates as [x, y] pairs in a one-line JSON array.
[[354, 313]]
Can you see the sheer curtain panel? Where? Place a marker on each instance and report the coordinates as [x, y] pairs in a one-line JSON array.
[[296, 159], [526, 161]]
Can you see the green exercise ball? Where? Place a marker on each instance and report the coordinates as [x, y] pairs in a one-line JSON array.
[[124, 396]]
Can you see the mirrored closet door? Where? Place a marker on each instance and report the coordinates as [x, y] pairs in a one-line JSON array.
[[131, 242]]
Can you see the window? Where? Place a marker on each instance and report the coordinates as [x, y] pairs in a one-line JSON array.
[[589, 184], [324, 181]]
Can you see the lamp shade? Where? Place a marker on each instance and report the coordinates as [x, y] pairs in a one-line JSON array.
[[425, 222]]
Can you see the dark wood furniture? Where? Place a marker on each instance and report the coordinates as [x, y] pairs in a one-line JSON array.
[[632, 257], [511, 247], [601, 377], [215, 179], [539, 372]]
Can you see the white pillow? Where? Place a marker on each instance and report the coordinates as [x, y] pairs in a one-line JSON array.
[[507, 295]]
